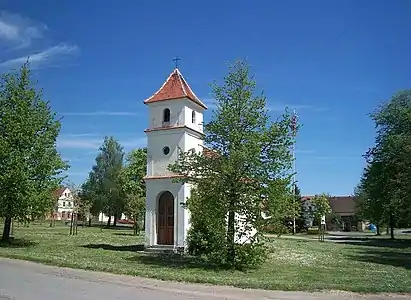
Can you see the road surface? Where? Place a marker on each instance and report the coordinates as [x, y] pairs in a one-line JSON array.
[[20, 280]]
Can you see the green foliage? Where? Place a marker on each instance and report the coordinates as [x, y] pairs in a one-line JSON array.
[[321, 204], [30, 165], [103, 186], [385, 187], [301, 213], [133, 186], [249, 173]]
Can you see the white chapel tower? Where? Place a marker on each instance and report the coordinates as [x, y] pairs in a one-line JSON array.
[[175, 121]]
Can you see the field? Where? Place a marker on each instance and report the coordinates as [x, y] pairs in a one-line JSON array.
[[373, 265]]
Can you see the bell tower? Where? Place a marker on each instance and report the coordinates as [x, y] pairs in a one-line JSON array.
[[175, 122]]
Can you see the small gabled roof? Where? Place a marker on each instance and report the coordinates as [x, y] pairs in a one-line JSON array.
[[59, 191], [175, 87]]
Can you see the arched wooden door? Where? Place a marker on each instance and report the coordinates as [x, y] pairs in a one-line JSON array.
[[165, 219]]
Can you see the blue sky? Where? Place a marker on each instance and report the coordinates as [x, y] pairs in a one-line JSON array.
[[333, 61]]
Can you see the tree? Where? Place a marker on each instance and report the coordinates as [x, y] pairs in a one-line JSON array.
[[30, 165], [386, 180], [321, 205], [104, 182], [301, 213], [133, 186], [247, 171]]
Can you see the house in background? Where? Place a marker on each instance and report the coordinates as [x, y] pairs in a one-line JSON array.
[[342, 206], [64, 204]]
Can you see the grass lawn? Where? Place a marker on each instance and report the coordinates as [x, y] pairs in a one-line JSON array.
[[368, 266]]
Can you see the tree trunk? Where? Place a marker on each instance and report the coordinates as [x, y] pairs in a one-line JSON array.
[[392, 226], [6, 230], [135, 226], [109, 221], [89, 221], [231, 235], [378, 229], [115, 220]]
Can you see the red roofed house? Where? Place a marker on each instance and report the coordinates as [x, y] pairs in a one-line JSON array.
[[175, 117]]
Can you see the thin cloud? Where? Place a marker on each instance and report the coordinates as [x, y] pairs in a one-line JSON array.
[[43, 59], [100, 113], [79, 134], [335, 158], [296, 107], [303, 151], [211, 103], [65, 143], [94, 144], [18, 32]]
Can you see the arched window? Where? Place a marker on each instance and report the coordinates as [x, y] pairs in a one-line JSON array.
[[166, 115], [193, 117]]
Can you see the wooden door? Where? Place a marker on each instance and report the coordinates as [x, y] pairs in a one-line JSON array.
[[165, 223]]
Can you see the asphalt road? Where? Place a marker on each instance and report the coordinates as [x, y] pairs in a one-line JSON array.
[[20, 280]]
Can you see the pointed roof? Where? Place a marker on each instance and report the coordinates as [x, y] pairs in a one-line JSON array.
[[174, 87]]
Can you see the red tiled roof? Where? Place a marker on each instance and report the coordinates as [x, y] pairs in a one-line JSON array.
[[171, 127], [170, 176], [210, 153], [58, 192], [174, 87]]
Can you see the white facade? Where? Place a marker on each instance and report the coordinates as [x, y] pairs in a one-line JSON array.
[[103, 218], [65, 205], [173, 125]]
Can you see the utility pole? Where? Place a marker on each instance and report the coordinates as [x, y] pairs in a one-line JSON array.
[[294, 131]]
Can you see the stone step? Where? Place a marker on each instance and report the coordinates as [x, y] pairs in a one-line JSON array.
[[162, 249]]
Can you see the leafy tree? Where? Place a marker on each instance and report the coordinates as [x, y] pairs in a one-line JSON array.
[[133, 186], [321, 205], [134, 209], [301, 213], [369, 202], [247, 172], [386, 180], [30, 165], [103, 185]]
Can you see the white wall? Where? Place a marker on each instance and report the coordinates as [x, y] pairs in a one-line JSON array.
[[156, 110], [190, 107], [154, 188], [157, 162], [65, 203]]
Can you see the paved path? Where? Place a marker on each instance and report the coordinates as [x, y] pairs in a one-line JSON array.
[[20, 280]]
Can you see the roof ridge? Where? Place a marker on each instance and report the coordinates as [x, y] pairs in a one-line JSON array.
[[165, 82], [175, 88], [181, 79]]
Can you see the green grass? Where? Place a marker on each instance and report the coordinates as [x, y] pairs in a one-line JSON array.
[[372, 265]]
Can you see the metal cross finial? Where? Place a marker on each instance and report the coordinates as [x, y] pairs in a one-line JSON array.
[[176, 60]]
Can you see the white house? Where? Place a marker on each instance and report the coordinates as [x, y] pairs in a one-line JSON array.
[[64, 205], [175, 121]]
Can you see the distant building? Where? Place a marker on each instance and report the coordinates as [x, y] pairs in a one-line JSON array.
[[342, 206], [64, 204]]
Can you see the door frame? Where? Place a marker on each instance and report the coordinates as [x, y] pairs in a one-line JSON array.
[[170, 199]]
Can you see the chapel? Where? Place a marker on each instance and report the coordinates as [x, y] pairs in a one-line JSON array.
[[175, 118]]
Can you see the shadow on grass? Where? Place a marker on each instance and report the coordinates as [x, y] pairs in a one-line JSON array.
[[130, 248], [396, 259], [125, 234], [372, 242], [17, 243], [173, 261], [111, 227]]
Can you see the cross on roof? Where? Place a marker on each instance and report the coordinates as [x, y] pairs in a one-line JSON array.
[[176, 61]]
